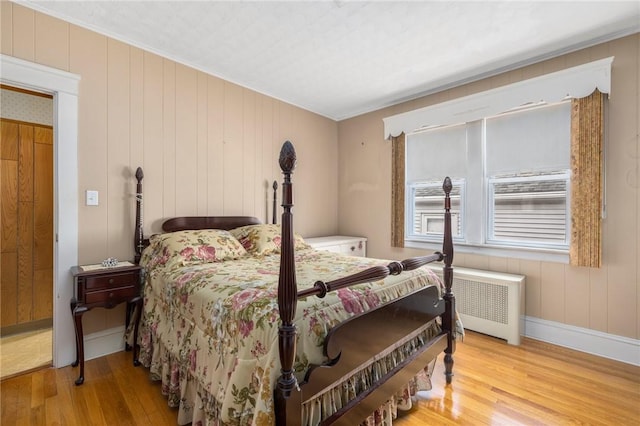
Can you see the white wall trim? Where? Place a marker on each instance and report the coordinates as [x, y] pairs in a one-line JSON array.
[[64, 87], [104, 342], [606, 345]]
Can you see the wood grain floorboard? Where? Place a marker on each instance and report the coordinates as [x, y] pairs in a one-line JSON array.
[[494, 384], [532, 384]]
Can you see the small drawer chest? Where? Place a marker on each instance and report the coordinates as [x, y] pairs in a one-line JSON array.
[[104, 287], [354, 246]]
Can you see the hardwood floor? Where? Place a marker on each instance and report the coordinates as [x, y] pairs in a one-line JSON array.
[[24, 352], [494, 384], [532, 384]]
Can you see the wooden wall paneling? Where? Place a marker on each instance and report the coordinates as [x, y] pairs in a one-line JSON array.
[[136, 135], [153, 134], [51, 42], [288, 125], [169, 139], [552, 283], [6, 28], [9, 254], [577, 295], [8, 140], [43, 206], [121, 218], [118, 200], [23, 33], [25, 163], [621, 171], [277, 141], [513, 267], [88, 58], [9, 289], [476, 261], [25, 223], [215, 146], [32, 219], [533, 288], [555, 64], [635, 153], [580, 57], [311, 156], [42, 294], [598, 298], [186, 159], [43, 134], [202, 166], [136, 122], [25, 261], [43, 238], [250, 190], [232, 149], [270, 169], [261, 181], [9, 223], [498, 264]]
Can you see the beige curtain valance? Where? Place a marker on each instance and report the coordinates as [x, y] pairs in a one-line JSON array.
[[576, 82]]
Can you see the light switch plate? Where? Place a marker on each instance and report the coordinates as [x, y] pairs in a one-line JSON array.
[[92, 198]]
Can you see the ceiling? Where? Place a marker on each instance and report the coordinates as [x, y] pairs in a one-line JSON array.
[[343, 58]]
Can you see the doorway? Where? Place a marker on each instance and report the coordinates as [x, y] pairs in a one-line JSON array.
[[27, 242], [64, 87]]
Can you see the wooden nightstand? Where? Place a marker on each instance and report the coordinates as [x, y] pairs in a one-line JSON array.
[[100, 287], [354, 246]]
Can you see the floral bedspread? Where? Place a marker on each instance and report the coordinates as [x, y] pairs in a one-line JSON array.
[[210, 331]]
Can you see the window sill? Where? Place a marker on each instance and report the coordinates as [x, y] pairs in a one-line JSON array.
[[544, 255]]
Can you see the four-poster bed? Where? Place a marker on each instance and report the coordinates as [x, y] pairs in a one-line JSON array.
[[246, 324]]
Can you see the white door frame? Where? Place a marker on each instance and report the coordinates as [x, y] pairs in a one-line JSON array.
[[64, 88]]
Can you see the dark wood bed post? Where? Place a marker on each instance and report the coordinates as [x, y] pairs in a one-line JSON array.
[[287, 290], [275, 197], [449, 319], [138, 238]]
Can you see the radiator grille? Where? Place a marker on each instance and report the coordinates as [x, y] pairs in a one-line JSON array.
[[489, 302], [482, 300]]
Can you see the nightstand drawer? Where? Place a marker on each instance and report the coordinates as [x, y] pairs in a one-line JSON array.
[[111, 297], [98, 282], [353, 246]]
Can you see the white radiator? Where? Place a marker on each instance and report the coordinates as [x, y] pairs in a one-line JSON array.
[[489, 302]]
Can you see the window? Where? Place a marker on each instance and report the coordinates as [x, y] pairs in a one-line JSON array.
[[517, 168], [497, 177], [426, 209]]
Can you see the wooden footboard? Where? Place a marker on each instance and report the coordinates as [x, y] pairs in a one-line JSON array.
[[351, 344]]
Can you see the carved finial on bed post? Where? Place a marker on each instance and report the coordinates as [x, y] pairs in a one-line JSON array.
[[449, 319], [287, 289], [138, 238], [275, 197]]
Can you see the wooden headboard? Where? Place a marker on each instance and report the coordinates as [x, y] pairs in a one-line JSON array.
[[190, 222], [208, 222]]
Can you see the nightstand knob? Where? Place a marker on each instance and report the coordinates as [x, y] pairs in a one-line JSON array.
[[353, 248], [111, 295], [110, 280]]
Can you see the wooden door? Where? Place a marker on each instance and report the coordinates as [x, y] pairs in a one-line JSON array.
[[26, 216]]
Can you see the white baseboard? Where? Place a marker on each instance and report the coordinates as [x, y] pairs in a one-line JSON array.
[[586, 340], [103, 343], [581, 339]]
